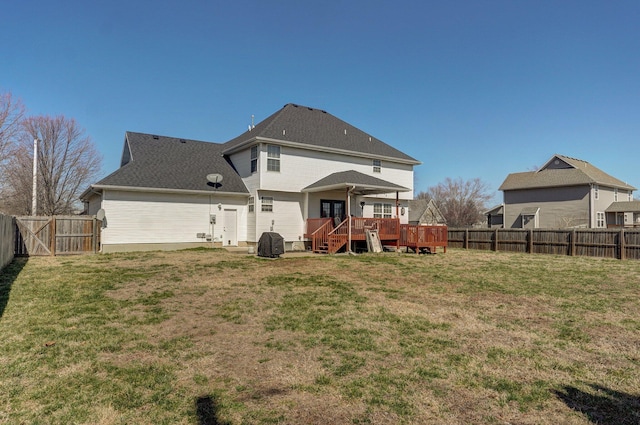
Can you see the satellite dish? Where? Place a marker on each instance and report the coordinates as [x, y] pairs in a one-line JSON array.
[[100, 214], [214, 178]]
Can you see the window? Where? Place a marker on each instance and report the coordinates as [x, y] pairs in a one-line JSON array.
[[251, 204], [382, 210], [254, 159], [387, 211], [629, 196], [596, 195], [273, 158], [267, 204], [615, 194], [600, 219], [376, 166]]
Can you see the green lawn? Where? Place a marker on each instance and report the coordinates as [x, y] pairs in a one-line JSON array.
[[210, 337]]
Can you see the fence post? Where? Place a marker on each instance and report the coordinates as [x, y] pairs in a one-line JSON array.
[[572, 243], [52, 248], [621, 244], [495, 240], [466, 239], [530, 241]]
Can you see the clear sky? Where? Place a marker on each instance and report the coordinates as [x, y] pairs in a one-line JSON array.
[[478, 88]]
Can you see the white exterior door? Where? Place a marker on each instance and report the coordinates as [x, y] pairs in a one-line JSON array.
[[230, 229]]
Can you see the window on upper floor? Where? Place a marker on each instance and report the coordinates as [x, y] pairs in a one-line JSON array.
[[254, 159], [273, 158], [596, 194], [377, 166], [267, 204], [615, 194], [629, 196], [600, 219], [251, 204]]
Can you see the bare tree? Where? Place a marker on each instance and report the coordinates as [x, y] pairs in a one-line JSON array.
[[11, 115], [461, 202], [67, 163]]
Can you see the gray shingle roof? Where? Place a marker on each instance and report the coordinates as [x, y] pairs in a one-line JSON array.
[[624, 206], [173, 163], [317, 128], [579, 173], [364, 183]]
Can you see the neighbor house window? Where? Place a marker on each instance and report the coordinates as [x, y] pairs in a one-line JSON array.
[[596, 195], [273, 158], [629, 196], [615, 194], [267, 204], [254, 159], [376, 166], [251, 204], [600, 219], [382, 210]]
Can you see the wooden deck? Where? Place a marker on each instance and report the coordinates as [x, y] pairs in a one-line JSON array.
[[327, 237]]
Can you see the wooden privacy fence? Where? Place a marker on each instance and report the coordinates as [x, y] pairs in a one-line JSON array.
[[56, 235], [605, 243], [6, 239]]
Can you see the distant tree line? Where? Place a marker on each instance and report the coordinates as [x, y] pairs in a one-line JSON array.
[[67, 161], [461, 202]]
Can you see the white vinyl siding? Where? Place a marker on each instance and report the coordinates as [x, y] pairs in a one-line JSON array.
[[164, 218]]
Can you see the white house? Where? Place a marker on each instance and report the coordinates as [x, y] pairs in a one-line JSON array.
[[298, 164]]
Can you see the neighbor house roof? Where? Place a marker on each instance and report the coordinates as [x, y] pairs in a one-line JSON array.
[[364, 184], [418, 207], [624, 206], [567, 172], [160, 162], [312, 128]]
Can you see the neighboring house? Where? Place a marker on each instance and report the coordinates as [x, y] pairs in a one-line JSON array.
[[300, 163], [495, 217], [564, 192], [422, 211]]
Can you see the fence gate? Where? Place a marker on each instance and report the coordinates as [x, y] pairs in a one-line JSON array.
[[56, 235]]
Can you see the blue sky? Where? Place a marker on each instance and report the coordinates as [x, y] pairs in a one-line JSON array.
[[470, 88]]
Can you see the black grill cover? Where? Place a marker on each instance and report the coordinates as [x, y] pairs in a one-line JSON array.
[[271, 244]]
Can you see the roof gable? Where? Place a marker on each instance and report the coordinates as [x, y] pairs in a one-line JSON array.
[[316, 129], [562, 171]]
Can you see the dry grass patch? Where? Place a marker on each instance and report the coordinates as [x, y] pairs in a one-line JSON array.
[[205, 336]]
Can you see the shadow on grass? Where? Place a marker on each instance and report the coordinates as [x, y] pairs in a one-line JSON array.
[[604, 407], [207, 411], [8, 275]]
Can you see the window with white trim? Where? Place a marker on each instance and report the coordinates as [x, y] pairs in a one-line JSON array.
[[382, 210], [251, 204], [600, 219], [596, 191], [273, 158], [254, 159], [377, 166], [615, 194], [267, 204], [629, 196], [386, 211]]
